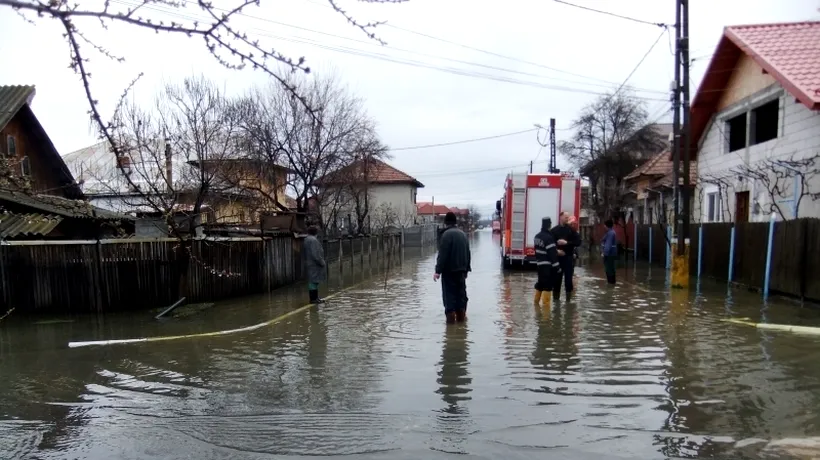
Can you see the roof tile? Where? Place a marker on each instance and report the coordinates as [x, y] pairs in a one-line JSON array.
[[789, 51], [378, 172]]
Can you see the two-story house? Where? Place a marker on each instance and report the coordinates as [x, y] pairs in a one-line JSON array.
[[756, 110], [383, 190], [39, 198], [232, 191]]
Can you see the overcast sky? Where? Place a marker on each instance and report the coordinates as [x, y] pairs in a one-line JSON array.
[[551, 57]]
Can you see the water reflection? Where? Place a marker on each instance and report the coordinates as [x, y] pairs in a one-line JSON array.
[[455, 386]]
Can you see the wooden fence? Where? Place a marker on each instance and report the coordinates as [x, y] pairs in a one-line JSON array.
[[795, 261], [116, 275]]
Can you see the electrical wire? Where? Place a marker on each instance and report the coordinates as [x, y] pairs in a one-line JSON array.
[[511, 58], [478, 139], [418, 64], [628, 18], [439, 173]]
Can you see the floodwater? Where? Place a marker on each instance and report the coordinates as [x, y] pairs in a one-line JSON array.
[[629, 372]]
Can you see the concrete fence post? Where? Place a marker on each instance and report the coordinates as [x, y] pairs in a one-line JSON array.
[[341, 257], [635, 237], [731, 254], [769, 257], [700, 249]]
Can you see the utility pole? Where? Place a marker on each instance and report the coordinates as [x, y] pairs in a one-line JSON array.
[[553, 169], [530, 167], [684, 45], [676, 128]]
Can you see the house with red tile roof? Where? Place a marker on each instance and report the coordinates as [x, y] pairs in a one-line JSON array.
[[758, 104], [391, 193], [430, 213], [649, 192]]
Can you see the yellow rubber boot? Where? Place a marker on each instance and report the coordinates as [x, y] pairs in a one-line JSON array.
[[546, 299], [537, 298]]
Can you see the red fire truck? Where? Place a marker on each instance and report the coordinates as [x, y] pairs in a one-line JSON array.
[[528, 198]]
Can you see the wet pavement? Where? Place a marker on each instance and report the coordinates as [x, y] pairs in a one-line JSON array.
[[629, 372]]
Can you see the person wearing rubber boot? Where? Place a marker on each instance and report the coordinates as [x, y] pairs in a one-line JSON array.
[[609, 251], [452, 266], [566, 240], [314, 257], [546, 259]]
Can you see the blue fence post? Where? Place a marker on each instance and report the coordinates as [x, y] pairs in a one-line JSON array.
[[732, 254], [668, 247], [700, 249], [769, 257], [650, 245]]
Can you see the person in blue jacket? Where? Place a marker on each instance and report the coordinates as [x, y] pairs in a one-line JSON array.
[[609, 251]]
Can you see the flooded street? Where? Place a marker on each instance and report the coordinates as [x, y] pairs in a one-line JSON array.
[[629, 372]]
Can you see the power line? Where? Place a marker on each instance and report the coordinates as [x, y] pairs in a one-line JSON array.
[[640, 63], [620, 16], [423, 175], [511, 58], [478, 139], [417, 64], [604, 83]]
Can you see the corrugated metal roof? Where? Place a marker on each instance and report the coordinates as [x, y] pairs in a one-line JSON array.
[[12, 98], [60, 206], [12, 225]]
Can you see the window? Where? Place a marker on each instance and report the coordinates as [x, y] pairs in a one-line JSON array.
[[25, 167], [736, 132], [124, 164], [713, 207], [764, 122], [11, 146]]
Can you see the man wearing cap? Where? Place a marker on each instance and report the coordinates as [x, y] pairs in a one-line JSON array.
[[452, 266]]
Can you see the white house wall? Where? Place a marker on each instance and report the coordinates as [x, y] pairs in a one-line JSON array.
[[399, 197], [798, 135]]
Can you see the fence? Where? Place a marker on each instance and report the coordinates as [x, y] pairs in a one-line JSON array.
[[116, 275], [794, 262], [419, 236]]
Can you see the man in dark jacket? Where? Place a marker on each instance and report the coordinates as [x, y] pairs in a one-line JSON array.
[[452, 266], [314, 257], [546, 258], [609, 250], [566, 240]]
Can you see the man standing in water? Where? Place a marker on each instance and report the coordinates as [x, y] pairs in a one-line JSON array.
[[609, 251], [452, 266], [546, 257], [314, 263], [566, 239]]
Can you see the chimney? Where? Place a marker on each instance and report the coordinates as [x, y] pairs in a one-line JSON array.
[[169, 166]]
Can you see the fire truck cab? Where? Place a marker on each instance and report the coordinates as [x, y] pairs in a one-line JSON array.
[[528, 198]]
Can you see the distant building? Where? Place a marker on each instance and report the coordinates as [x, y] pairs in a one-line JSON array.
[[390, 193], [430, 213]]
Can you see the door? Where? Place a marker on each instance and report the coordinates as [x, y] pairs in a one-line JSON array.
[[541, 203], [742, 207]]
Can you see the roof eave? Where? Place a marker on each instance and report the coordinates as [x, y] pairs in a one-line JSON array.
[[798, 93]]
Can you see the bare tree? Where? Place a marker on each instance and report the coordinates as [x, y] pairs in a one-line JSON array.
[[612, 138], [782, 178], [723, 183], [336, 139], [231, 46]]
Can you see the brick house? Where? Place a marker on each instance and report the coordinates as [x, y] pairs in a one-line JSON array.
[[759, 102]]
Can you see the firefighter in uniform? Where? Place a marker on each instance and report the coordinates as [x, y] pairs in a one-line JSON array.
[[546, 257]]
